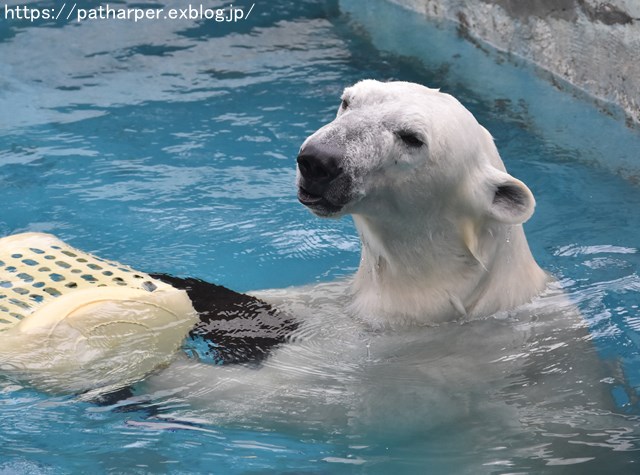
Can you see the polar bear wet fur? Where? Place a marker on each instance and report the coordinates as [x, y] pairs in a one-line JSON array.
[[439, 217], [440, 222]]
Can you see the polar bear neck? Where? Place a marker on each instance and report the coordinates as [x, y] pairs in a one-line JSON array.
[[429, 275]]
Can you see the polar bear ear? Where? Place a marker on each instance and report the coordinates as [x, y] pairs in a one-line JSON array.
[[512, 202]]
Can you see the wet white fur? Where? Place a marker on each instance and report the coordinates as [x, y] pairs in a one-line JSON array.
[[435, 245]]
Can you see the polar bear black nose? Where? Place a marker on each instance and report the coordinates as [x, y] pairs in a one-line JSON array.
[[319, 164]]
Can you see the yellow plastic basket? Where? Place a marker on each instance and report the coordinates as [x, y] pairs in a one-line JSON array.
[[72, 322]]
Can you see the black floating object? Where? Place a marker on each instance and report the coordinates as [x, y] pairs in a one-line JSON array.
[[233, 327]]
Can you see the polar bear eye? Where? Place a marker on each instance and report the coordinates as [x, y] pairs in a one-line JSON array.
[[344, 104], [410, 139]]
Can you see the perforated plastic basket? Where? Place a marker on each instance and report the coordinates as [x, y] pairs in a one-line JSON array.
[[70, 321]]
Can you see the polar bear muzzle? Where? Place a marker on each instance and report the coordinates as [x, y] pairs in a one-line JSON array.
[[323, 186]]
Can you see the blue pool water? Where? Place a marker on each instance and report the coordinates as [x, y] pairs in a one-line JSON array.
[[170, 146]]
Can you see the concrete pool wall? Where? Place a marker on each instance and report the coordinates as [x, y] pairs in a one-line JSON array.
[[591, 45]]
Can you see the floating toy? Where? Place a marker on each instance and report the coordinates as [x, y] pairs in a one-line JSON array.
[[72, 322]]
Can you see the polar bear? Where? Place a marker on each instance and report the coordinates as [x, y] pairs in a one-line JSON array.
[[400, 356], [439, 343], [439, 217], [440, 334]]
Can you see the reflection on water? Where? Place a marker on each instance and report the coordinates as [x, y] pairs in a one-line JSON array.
[[170, 147]]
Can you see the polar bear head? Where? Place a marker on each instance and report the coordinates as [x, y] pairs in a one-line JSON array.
[[438, 215]]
